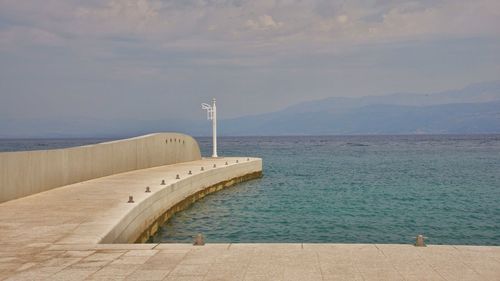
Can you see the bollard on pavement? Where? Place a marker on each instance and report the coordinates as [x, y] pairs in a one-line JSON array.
[[199, 240], [419, 241]]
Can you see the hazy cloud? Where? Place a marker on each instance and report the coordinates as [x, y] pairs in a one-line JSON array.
[[112, 57], [165, 22]]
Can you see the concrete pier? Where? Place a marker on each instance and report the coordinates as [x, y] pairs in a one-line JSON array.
[[98, 210], [24, 173], [112, 209], [85, 231], [70, 233]]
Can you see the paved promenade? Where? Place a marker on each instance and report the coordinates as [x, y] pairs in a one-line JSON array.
[[45, 261], [55, 235]]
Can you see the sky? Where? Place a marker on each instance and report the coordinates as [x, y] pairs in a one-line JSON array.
[[151, 60]]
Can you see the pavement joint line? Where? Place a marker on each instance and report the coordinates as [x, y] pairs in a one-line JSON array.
[[380, 250]]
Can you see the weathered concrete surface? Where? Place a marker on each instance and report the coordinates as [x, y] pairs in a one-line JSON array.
[[248, 262], [96, 211], [28, 172], [55, 235]]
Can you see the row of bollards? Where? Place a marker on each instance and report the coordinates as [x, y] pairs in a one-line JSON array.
[[177, 177], [199, 240]]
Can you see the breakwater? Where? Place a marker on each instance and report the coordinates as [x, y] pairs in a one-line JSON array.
[[29, 172], [150, 179]]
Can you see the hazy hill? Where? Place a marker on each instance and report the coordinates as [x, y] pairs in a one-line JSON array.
[[473, 109], [475, 93], [375, 119]]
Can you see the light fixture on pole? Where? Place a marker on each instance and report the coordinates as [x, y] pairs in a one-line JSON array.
[[212, 115]]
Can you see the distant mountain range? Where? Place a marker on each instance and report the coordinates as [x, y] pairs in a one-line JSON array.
[[473, 109], [374, 119]]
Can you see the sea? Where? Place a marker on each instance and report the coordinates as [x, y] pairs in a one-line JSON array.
[[344, 189]]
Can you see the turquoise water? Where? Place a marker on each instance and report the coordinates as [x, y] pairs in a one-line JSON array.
[[363, 189], [358, 189]]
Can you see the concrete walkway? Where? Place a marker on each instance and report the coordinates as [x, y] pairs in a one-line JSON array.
[[54, 235], [248, 262], [86, 212]]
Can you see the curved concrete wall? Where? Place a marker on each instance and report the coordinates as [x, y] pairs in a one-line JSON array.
[[29, 172], [146, 216]]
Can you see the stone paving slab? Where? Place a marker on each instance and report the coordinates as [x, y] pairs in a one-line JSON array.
[[257, 262]]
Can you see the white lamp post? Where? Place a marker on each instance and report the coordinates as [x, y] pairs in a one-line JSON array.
[[212, 115]]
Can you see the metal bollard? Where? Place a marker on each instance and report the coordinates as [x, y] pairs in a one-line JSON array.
[[190, 173], [130, 199], [147, 189], [215, 165], [248, 159], [177, 177], [202, 169], [237, 161], [199, 240], [162, 182], [226, 163], [419, 242]]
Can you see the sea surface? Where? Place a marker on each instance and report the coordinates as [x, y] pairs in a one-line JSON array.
[[345, 189]]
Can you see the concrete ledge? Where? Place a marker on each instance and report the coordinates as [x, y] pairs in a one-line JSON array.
[[141, 222], [188, 201]]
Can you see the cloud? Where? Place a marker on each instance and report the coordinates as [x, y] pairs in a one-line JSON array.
[[121, 17], [342, 18], [275, 50], [263, 22], [242, 21], [258, 27], [18, 36]]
